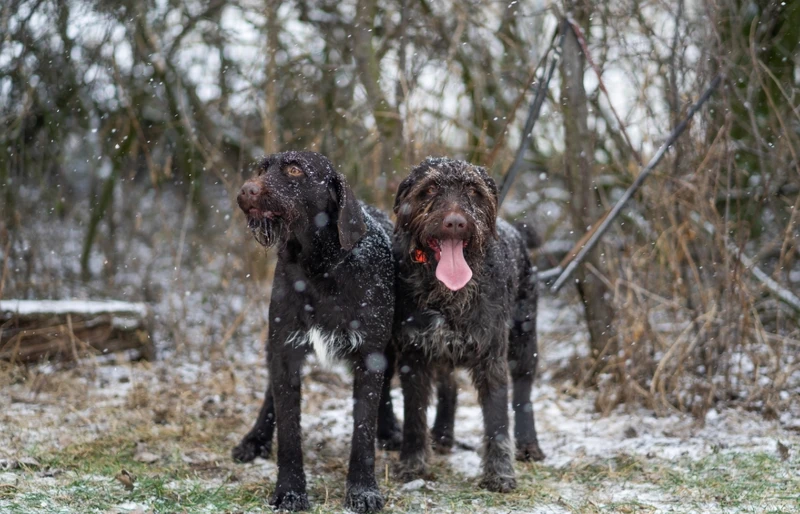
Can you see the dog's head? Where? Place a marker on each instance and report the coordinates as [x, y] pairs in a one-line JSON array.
[[300, 192], [448, 209]]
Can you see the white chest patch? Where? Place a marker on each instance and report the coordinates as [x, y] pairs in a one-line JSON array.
[[328, 346]]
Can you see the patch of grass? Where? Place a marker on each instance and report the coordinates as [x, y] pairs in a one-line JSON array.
[[158, 494], [626, 468], [106, 455], [87, 483], [451, 492], [747, 482], [739, 479], [30, 502], [190, 496]]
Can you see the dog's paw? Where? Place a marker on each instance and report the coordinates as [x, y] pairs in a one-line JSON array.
[[442, 443], [248, 450], [498, 483], [363, 500], [530, 452], [411, 468], [289, 501], [391, 441]]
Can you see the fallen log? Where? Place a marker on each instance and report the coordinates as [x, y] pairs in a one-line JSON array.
[[55, 330]]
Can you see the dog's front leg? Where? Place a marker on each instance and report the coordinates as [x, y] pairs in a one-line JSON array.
[[286, 376], [390, 434], [491, 380], [415, 377], [363, 495], [443, 426]]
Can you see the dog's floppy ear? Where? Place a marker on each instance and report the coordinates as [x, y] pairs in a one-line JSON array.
[[402, 191], [351, 221], [490, 183], [491, 210]]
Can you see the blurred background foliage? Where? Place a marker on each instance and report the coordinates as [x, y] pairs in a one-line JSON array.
[[104, 101]]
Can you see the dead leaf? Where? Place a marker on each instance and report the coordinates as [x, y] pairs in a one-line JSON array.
[[146, 457], [49, 473], [783, 451], [126, 479], [28, 462]]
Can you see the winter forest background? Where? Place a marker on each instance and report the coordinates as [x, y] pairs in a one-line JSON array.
[[128, 127]]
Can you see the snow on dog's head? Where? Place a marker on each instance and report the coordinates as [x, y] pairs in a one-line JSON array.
[[449, 210], [295, 191]]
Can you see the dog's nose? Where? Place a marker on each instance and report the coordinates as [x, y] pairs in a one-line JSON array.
[[454, 225], [250, 189], [249, 193]]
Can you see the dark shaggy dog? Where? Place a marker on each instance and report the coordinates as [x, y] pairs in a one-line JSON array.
[[466, 296], [333, 294]]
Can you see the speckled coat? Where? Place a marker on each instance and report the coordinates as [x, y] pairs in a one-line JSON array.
[[488, 326], [333, 294]]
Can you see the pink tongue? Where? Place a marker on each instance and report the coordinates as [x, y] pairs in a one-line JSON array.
[[452, 270]]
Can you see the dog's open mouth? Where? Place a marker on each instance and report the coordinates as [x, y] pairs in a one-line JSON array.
[[256, 214], [451, 268], [267, 226]]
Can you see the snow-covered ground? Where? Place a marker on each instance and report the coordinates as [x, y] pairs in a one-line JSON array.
[[55, 410], [66, 432]]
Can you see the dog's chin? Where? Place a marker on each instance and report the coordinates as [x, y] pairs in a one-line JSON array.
[[267, 232]]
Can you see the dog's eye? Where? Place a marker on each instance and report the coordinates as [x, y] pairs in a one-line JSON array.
[[472, 191], [431, 190], [294, 171]]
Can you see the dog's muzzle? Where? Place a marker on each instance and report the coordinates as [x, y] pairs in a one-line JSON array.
[[264, 221]]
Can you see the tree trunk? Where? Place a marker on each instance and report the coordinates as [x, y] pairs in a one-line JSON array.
[[387, 116], [65, 330], [269, 114], [584, 208]]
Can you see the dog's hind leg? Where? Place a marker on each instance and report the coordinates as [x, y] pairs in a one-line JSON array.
[[522, 359], [447, 392], [490, 376], [390, 434], [258, 442], [415, 376], [362, 494]]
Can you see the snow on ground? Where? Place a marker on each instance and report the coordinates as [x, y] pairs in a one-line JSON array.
[[27, 307], [188, 409], [106, 399]]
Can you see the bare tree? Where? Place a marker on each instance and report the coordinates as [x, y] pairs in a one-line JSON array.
[[584, 207]]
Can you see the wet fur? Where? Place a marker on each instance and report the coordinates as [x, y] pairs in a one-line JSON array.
[[333, 294], [487, 327]]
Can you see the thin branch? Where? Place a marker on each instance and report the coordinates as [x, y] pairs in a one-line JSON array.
[[781, 292], [585, 48], [601, 229], [533, 112]]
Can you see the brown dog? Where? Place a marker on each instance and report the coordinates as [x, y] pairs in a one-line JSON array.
[[466, 296]]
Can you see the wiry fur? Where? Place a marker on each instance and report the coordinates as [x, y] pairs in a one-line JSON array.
[[333, 293], [328, 346], [488, 326]]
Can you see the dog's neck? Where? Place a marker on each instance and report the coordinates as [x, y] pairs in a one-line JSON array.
[[316, 250]]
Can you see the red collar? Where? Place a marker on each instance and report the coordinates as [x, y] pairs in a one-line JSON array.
[[419, 256]]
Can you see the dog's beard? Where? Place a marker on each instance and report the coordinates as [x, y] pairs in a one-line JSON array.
[[267, 232]]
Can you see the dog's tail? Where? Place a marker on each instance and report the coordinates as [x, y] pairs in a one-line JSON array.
[[529, 235]]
